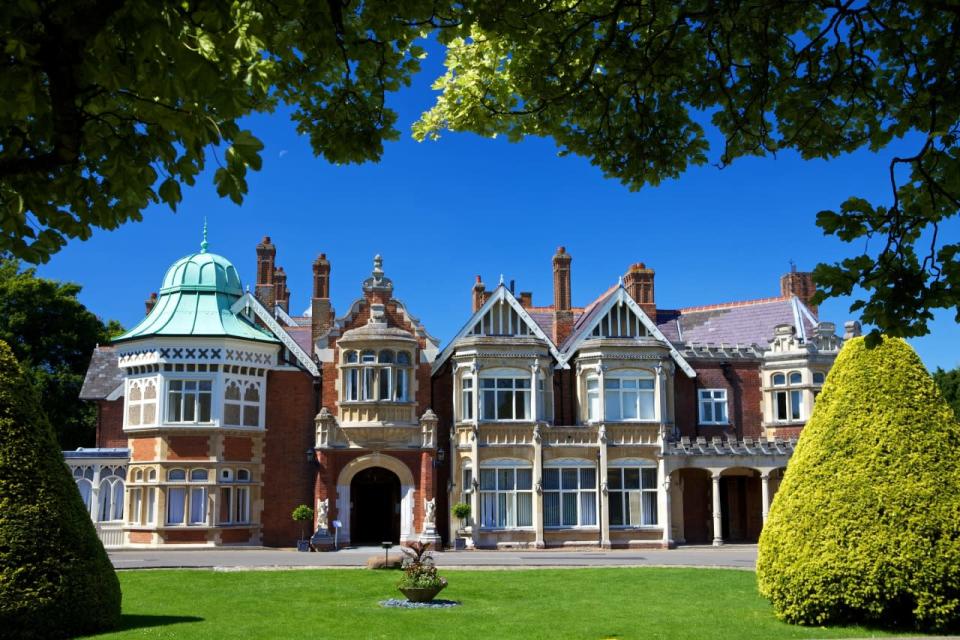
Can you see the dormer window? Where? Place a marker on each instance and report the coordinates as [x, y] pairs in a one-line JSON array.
[[382, 376], [629, 397], [504, 398]]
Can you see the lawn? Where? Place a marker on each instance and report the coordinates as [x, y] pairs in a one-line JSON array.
[[561, 603]]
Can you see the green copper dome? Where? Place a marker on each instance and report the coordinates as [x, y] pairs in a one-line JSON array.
[[196, 298], [202, 272]]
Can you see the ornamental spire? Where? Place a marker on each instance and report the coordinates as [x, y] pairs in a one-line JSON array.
[[204, 244]]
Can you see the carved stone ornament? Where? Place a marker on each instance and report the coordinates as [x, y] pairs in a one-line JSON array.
[[323, 511]]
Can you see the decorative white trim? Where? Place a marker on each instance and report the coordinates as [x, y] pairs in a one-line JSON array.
[[506, 463], [248, 301], [631, 462], [580, 463], [500, 293], [622, 297], [283, 315]]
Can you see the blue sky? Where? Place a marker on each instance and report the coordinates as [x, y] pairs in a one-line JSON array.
[[443, 212]]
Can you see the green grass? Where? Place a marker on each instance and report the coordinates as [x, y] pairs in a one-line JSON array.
[[562, 603]]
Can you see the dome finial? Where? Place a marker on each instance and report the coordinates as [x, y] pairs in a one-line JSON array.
[[204, 244]]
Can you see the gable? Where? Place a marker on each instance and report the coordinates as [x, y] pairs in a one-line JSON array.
[[619, 316], [501, 315], [249, 303]]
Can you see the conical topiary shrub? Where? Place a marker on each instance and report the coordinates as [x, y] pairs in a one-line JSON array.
[[866, 524], [55, 577]]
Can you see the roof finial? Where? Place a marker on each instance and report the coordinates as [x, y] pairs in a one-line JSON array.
[[204, 244], [377, 266]]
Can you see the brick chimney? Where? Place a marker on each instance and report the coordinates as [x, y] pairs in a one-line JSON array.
[[320, 309], [266, 254], [638, 281], [151, 302], [526, 299], [478, 296], [562, 314], [281, 293], [800, 284]]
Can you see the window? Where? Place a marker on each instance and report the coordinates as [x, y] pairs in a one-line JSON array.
[[633, 496], [466, 403], [629, 397], [570, 497], [152, 505], [241, 403], [713, 406], [187, 504], [189, 400], [506, 498], [83, 476], [593, 399], [142, 403], [819, 377], [466, 489], [383, 376], [787, 403], [235, 500], [505, 399], [111, 494]]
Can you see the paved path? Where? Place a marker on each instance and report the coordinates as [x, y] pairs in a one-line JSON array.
[[733, 556]]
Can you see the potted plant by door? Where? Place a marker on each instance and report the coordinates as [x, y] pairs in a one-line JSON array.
[[302, 514], [420, 581], [461, 511]]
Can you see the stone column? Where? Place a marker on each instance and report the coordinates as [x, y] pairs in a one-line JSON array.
[[765, 494], [534, 368], [717, 520], [603, 396], [663, 496], [95, 494], [604, 494], [475, 489]]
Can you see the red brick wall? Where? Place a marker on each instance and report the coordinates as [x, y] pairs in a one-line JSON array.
[[141, 537], [228, 536], [110, 424], [184, 537], [188, 447], [742, 382], [238, 449], [143, 449], [287, 476]]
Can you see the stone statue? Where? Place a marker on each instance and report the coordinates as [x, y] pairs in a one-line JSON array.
[[323, 508], [430, 512]]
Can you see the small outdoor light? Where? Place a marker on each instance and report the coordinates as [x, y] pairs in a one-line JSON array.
[[310, 455], [386, 544], [441, 454]]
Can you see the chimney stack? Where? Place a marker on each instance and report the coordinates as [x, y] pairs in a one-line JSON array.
[[266, 254], [478, 297], [281, 293], [562, 314], [800, 284], [526, 299], [151, 302], [638, 281], [320, 310]]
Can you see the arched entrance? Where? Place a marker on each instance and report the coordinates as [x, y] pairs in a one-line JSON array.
[[375, 506]]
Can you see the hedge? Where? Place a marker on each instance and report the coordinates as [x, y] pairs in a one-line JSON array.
[[55, 577], [865, 527]]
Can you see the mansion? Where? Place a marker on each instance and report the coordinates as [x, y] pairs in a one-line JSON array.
[[617, 424]]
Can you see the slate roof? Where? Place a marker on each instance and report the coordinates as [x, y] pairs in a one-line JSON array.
[[302, 336], [103, 374], [749, 322]]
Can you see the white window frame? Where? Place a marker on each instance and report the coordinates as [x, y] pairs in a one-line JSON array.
[[790, 393], [624, 494], [593, 398], [194, 491], [141, 403], [237, 494], [622, 394], [364, 372], [197, 404], [585, 517], [519, 384], [713, 398], [467, 389], [500, 503]]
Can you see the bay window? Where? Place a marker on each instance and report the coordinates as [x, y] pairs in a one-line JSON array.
[[466, 399], [189, 401], [629, 397], [187, 503], [372, 376], [593, 399], [632, 493], [235, 499], [241, 403], [505, 398], [506, 497], [142, 402], [570, 497]]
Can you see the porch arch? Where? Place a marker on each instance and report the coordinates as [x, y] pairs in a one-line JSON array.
[[407, 489]]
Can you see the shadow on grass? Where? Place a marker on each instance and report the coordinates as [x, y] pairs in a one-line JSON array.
[[129, 621]]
